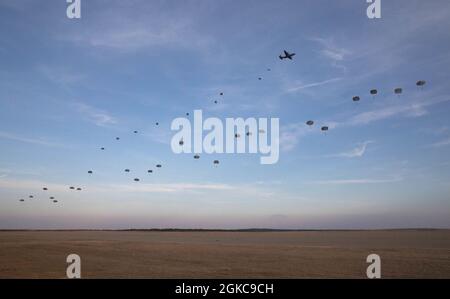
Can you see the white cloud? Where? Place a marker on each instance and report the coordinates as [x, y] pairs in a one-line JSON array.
[[98, 117], [357, 152], [310, 85], [441, 143], [333, 52], [37, 141], [356, 181]]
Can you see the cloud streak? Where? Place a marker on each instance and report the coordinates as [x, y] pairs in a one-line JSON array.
[[99, 117], [36, 141], [357, 152], [311, 85]]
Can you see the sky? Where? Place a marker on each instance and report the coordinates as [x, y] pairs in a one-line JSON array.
[[69, 86]]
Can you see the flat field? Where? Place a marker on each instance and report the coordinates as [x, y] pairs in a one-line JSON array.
[[225, 254]]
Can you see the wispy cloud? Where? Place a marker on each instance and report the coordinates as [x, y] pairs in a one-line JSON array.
[[290, 135], [127, 32], [333, 52], [310, 85], [59, 75], [98, 117], [441, 143], [37, 141], [356, 181], [357, 152]]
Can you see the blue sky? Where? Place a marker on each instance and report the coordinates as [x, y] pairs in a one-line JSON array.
[[69, 87]]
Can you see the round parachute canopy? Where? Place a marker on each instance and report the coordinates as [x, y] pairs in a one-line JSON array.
[[216, 162], [127, 170], [90, 172], [374, 92], [221, 93], [136, 180], [150, 171], [78, 189], [117, 138], [187, 113], [45, 188], [181, 142], [310, 122], [248, 133], [356, 99], [259, 78], [324, 128], [398, 90], [268, 70], [215, 102], [159, 165], [196, 157], [135, 132], [22, 200], [51, 197], [421, 83], [72, 188], [157, 124], [102, 148], [55, 201], [31, 196], [237, 135]]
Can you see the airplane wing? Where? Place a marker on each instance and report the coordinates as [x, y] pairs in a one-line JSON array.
[[286, 53]]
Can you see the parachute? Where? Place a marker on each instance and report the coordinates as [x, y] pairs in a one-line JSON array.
[[221, 93], [374, 92], [259, 78], [237, 135], [127, 170], [22, 200], [51, 197], [216, 162], [356, 99], [90, 172], [72, 188], [324, 128], [398, 91], [102, 148], [215, 102], [117, 138], [150, 171], [421, 83], [78, 189], [136, 180], [187, 113], [310, 122], [157, 124], [181, 142], [159, 166], [196, 157], [31, 196], [55, 201], [135, 132], [45, 188]]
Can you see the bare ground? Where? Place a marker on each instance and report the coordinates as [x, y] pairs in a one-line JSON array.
[[308, 254]]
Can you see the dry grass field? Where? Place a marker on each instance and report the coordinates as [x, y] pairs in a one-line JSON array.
[[207, 254]]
